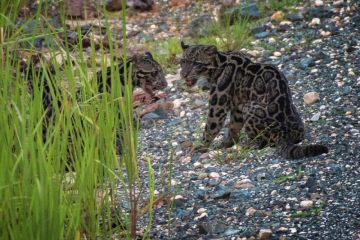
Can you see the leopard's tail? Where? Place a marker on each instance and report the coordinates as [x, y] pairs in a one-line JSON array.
[[294, 151]]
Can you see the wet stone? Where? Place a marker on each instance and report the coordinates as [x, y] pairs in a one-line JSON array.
[[221, 193], [265, 234], [261, 35], [203, 84], [240, 195], [212, 227], [200, 25], [295, 17], [306, 62]]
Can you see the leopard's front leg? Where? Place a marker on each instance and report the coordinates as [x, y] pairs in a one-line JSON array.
[[235, 126], [215, 121]]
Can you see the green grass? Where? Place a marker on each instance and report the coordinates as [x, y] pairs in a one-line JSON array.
[[287, 178], [38, 199], [226, 36], [166, 52], [277, 5], [312, 212]]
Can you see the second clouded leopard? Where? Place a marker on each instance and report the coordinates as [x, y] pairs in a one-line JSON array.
[[256, 95], [146, 74]]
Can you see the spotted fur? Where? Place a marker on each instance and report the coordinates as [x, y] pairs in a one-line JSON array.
[[256, 95]]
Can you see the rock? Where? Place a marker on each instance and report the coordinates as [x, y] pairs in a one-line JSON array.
[[325, 33], [261, 35], [186, 144], [214, 175], [200, 194], [200, 25], [321, 55], [258, 29], [231, 232], [247, 11], [203, 84], [265, 234], [81, 9], [277, 16], [221, 193], [197, 103], [244, 184], [295, 17], [142, 5], [284, 25], [314, 22], [306, 62], [323, 12], [201, 216], [177, 103], [178, 201], [311, 98], [151, 116], [306, 204], [251, 11], [354, 131], [261, 177], [339, 3], [319, 3], [272, 40], [201, 210], [315, 196], [161, 113], [277, 54], [315, 117], [212, 227], [227, 3], [250, 211], [202, 175], [240, 195]]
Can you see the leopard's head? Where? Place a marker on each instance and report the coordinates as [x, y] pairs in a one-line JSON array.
[[197, 62], [147, 73]]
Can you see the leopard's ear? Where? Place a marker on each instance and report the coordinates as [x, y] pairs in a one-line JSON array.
[[148, 55], [183, 45], [211, 49]]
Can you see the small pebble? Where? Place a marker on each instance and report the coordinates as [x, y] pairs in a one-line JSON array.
[[314, 22], [214, 175], [306, 204], [265, 234], [277, 54]]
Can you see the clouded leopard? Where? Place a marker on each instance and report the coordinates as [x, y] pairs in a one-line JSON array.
[[256, 95]]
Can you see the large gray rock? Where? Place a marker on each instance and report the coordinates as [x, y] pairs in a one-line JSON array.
[[200, 25], [234, 14]]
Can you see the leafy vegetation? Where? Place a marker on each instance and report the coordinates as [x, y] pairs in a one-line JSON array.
[[166, 52], [227, 35], [40, 200], [312, 212], [103, 197], [296, 177]]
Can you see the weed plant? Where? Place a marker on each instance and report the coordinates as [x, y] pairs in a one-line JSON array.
[[39, 199]]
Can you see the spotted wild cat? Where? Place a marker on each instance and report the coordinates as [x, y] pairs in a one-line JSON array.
[[256, 95], [146, 74]]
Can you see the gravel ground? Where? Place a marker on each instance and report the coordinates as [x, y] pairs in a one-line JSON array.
[[237, 194]]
